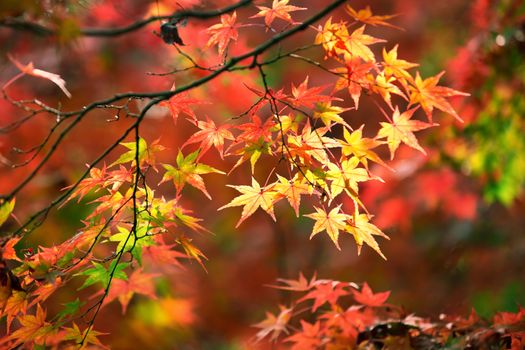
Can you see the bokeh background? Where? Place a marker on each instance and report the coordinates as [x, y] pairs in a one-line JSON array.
[[455, 217]]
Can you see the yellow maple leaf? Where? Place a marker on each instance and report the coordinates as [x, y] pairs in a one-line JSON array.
[[401, 130], [330, 222], [252, 198]]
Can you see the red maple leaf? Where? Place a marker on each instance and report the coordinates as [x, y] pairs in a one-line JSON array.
[[368, 298]]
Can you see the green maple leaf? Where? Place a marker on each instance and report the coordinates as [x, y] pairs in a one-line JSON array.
[[99, 274]]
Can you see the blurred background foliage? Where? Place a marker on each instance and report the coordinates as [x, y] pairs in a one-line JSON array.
[[456, 217]]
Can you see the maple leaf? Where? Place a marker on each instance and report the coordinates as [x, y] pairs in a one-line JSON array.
[[88, 336], [30, 69], [357, 45], [163, 254], [33, 328], [180, 103], [280, 9], [292, 190], [429, 95], [256, 130], [16, 304], [210, 135], [328, 292], [308, 339], [384, 86], [299, 285], [5, 210], [363, 231], [366, 16], [188, 171], [332, 222], [274, 324], [123, 290], [303, 96], [368, 298], [354, 77], [361, 147], [401, 130], [396, 67], [311, 143], [192, 251], [223, 32], [328, 114], [332, 37], [346, 176], [252, 198], [8, 252]]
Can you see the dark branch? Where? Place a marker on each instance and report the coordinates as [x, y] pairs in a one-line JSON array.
[[19, 24]]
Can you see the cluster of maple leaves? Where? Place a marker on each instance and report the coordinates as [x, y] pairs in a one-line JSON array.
[[348, 316], [306, 128]]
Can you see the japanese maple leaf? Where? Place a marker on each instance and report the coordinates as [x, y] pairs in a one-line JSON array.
[[346, 175], [33, 328], [311, 143], [291, 190], [137, 283], [396, 67], [330, 222], [299, 285], [180, 103], [366, 16], [223, 32], [252, 198], [6, 208], [357, 45], [363, 231], [274, 325], [30, 69], [369, 298], [325, 293], [210, 135], [256, 129], [163, 254], [188, 171], [303, 96], [330, 114], [354, 77], [308, 338], [401, 129], [332, 37], [429, 95], [384, 86], [280, 9], [361, 147], [15, 304], [8, 252]]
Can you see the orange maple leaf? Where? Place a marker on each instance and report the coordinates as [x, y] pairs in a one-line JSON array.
[[30, 69], [280, 9], [222, 33], [366, 16], [354, 77], [330, 222], [357, 45], [326, 292], [210, 135], [369, 298], [252, 198], [137, 283], [396, 67], [401, 130], [292, 190], [274, 324], [430, 96], [307, 97], [180, 103]]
